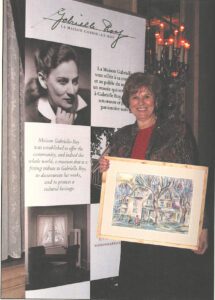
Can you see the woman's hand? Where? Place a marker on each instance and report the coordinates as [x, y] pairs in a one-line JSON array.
[[63, 117], [103, 164], [203, 242]]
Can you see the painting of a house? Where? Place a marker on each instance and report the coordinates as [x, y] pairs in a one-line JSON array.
[[157, 203], [152, 202]]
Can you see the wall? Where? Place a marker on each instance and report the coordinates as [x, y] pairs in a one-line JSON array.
[[206, 82], [126, 5], [199, 21], [207, 108]]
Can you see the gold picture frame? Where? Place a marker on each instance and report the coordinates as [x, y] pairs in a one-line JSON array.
[[152, 202]]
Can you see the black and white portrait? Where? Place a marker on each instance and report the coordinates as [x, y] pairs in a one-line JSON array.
[[57, 83]]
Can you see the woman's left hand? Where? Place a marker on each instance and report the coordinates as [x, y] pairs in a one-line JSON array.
[[203, 242], [63, 117]]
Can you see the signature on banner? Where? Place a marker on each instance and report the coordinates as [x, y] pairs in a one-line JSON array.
[[61, 16]]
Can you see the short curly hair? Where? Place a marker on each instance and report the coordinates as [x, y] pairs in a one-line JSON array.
[[139, 79]]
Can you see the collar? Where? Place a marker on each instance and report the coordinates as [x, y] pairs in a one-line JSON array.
[[46, 110]]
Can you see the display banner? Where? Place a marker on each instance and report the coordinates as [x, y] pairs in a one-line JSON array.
[[100, 263], [116, 40], [77, 290], [77, 59], [57, 164]]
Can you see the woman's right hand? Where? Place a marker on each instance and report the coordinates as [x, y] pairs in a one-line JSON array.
[[63, 117], [103, 164]]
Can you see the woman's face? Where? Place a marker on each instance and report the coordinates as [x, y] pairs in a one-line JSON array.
[[62, 86], [142, 104]]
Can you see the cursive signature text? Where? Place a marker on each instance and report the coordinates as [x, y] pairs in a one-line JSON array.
[[61, 17]]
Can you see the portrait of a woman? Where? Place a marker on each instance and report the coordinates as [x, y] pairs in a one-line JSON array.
[[54, 95]]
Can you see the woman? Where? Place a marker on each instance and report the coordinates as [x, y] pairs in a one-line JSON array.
[[148, 271], [54, 96]]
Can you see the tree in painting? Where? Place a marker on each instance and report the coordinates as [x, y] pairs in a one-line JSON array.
[[184, 189], [158, 186]]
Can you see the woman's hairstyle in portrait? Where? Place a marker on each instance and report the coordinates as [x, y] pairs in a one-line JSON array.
[[51, 55], [48, 57], [150, 81]]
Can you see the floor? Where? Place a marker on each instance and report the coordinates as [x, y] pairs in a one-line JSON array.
[[13, 282], [13, 286]]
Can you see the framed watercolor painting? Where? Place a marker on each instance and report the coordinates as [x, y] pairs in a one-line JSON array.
[[152, 202]]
